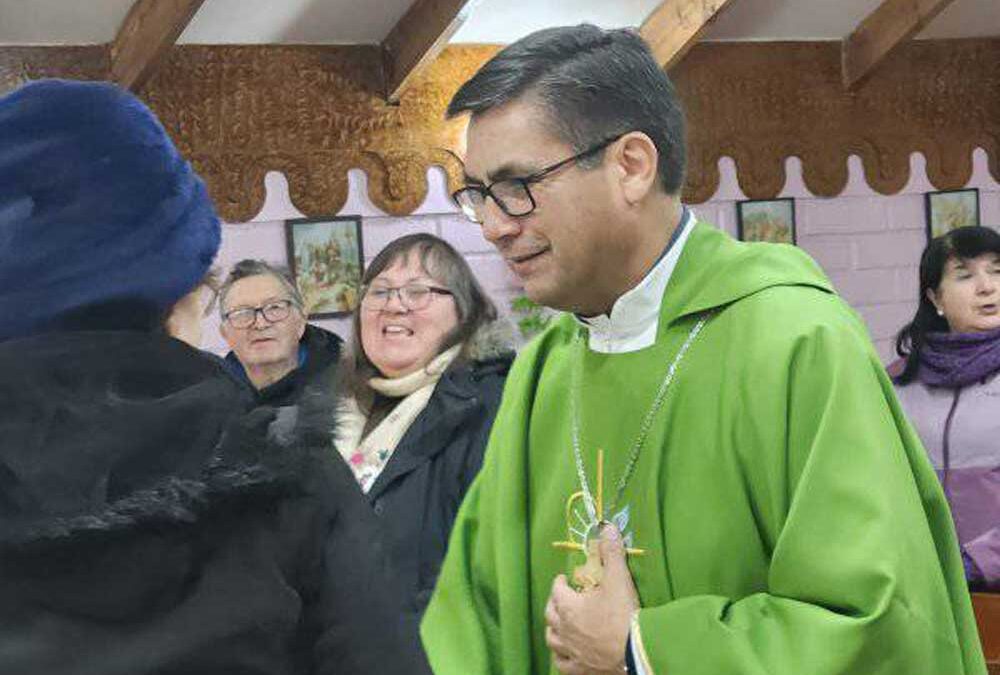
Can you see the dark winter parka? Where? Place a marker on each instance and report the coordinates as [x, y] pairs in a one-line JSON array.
[[418, 493], [319, 352], [149, 525]]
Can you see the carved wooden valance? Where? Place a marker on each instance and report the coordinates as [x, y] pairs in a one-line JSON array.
[[311, 113], [761, 103], [315, 112], [19, 64]]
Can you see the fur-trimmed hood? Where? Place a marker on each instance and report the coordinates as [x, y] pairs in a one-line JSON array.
[[148, 524], [108, 432], [493, 340]]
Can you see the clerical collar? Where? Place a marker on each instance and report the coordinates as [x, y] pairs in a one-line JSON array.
[[635, 316]]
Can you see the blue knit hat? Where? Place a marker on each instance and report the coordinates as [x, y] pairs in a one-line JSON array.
[[102, 222]]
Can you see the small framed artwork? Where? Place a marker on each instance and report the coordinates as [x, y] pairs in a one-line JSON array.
[[326, 258], [951, 209], [771, 220]]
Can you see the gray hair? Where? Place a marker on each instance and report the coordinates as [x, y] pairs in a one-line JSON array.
[[252, 268], [594, 85]]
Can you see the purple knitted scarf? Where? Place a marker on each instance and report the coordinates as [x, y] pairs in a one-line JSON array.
[[959, 359]]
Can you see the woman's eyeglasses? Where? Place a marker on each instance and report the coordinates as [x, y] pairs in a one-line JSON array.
[[412, 296]]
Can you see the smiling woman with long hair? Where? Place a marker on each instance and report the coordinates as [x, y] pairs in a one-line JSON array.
[[429, 364], [949, 386]]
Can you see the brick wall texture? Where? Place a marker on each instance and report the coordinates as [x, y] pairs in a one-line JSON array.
[[868, 244]]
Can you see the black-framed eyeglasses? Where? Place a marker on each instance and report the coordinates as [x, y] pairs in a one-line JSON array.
[[413, 297], [513, 195], [273, 312]]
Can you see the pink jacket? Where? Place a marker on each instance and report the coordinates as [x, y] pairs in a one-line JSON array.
[[961, 430]]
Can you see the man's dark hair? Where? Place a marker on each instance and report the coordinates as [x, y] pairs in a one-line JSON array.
[[594, 84]]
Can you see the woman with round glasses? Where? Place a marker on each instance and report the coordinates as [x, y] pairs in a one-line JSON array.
[[423, 387]]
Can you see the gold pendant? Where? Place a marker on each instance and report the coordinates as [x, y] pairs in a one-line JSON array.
[[588, 576]]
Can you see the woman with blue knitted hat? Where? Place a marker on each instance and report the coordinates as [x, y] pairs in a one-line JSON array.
[[149, 523]]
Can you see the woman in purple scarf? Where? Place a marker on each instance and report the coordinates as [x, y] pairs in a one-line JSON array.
[[949, 386]]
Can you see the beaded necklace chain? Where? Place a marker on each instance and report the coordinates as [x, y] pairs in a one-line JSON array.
[[596, 518]]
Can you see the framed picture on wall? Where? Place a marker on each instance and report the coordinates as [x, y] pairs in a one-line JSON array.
[[771, 220], [326, 258], [949, 209]]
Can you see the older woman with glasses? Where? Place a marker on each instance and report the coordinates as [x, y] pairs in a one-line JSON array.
[[428, 369]]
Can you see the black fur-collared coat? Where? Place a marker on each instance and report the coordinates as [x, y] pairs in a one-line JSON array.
[[321, 349], [421, 488], [148, 524]]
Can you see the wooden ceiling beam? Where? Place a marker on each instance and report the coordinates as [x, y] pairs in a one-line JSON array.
[[881, 32], [145, 38], [675, 26], [417, 39]]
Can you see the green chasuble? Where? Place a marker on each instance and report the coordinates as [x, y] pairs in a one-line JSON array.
[[791, 521]]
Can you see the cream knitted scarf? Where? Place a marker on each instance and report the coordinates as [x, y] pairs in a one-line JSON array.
[[368, 456]]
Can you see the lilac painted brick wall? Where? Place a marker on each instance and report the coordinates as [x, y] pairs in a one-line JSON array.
[[867, 243], [264, 238]]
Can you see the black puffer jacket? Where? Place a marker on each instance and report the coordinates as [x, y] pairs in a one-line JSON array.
[[322, 354], [148, 526], [418, 493]]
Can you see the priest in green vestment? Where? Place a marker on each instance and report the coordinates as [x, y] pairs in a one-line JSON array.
[[701, 468]]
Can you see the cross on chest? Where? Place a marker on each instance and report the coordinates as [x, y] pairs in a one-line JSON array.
[[588, 575]]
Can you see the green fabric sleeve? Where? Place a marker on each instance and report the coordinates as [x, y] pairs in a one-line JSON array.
[[858, 576], [459, 614], [487, 550]]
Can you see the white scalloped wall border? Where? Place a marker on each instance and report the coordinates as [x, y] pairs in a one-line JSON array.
[[278, 204]]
